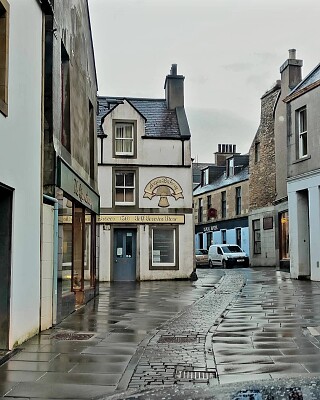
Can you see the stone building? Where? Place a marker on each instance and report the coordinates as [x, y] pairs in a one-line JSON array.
[[70, 186], [269, 218], [303, 104], [145, 181], [221, 201]]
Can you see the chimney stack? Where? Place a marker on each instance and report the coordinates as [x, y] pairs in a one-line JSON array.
[[290, 72], [174, 88]]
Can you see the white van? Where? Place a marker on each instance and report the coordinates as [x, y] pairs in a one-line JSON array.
[[227, 255]]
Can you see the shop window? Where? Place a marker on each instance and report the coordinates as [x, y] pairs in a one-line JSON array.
[[164, 243], [256, 236], [238, 236], [125, 188], [209, 239], [4, 55], [302, 132], [200, 240], [238, 200], [284, 236], [65, 220], [223, 236], [124, 139], [223, 204]]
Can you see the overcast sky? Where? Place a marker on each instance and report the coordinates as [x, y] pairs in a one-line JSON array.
[[229, 51]]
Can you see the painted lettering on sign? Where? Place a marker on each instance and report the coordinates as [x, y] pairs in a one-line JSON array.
[[81, 193], [163, 187]]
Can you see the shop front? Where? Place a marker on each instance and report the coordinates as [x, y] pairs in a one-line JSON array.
[[77, 266]]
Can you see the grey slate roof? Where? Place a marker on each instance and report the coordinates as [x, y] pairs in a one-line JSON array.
[[160, 122], [222, 181], [312, 77]]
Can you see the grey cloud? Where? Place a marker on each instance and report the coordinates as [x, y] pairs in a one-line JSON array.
[[209, 127]]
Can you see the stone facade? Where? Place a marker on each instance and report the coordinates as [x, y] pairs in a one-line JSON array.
[[262, 186]]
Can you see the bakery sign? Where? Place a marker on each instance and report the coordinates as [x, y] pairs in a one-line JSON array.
[[163, 187]]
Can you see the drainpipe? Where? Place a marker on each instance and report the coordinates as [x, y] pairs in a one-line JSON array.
[[55, 256]]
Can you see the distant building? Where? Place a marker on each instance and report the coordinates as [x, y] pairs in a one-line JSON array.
[[303, 104], [145, 181], [221, 200]]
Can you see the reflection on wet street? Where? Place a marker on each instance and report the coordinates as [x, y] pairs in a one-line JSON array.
[[264, 332]]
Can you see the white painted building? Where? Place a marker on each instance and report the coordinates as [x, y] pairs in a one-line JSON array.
[[145, 185], [20, 169], [304, 176]]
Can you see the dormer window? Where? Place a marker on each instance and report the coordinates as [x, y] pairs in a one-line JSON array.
[[124, 138], [231, 167], [205, 177]]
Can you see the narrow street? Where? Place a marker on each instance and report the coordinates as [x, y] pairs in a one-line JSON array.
[[229, 326]]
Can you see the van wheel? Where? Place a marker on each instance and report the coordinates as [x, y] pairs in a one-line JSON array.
[[224, 264], [210, 264]]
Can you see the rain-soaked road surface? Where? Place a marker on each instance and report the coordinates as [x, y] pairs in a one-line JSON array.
[[254, 324]]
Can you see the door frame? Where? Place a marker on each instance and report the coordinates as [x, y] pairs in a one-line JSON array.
[[9, 199], [122, 227]]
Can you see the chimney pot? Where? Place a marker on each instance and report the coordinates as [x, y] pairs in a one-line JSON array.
[[292, 54], [174, 69]]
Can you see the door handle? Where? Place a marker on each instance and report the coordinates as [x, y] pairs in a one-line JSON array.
[[116, 261]]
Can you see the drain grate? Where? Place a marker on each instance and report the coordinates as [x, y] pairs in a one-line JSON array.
[[72, 336], [178, 339], [196, 376]]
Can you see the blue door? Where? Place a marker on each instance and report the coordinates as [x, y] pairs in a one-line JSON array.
[[124, 255]]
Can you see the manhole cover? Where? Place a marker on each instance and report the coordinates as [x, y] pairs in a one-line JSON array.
[[178, 339], [198, 376], [72, 336]]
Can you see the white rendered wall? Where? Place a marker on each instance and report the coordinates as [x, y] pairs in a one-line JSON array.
[[20, 164], [304, 239], [267, 257]]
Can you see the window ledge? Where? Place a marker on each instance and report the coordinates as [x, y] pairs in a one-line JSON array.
[[307, 157]]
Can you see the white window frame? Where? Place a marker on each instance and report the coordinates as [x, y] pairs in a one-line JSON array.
[[303, 132], [123, 139], [163, 264], [124, 187]]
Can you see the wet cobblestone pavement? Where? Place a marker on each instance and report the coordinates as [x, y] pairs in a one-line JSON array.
[[187, 338]]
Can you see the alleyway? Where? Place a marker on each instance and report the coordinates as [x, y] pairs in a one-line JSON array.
[[227, 327]]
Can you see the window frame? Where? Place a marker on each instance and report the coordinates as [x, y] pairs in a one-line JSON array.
[[302, 132], [200, 210], [257, 147], [5, 15], [238, 207], [131, 154], [161, 265], [255, 231], [224, 204], [135, 187]]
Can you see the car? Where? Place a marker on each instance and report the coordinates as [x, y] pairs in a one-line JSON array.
[[201, 257], [227, 255]]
